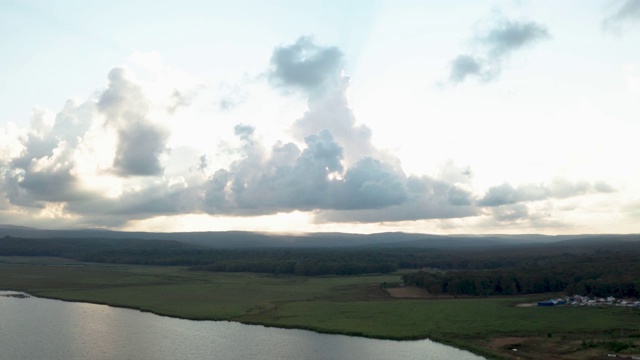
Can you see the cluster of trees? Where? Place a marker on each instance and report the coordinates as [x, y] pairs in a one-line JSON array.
[[603, 273]]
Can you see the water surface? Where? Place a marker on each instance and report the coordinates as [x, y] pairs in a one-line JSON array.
[[35, 328]]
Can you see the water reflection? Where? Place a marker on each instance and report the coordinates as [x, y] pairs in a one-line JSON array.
[[44, 329]]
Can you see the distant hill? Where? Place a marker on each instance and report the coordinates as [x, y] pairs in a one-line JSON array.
[[14, 227], [245, 239]]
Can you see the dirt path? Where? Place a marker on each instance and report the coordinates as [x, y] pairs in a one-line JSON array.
[[539, 348]]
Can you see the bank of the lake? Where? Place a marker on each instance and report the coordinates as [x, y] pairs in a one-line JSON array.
[[36, 328], [461, 344], [353, 305]]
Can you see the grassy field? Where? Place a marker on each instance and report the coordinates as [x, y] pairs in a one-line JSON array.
[[350, 305]]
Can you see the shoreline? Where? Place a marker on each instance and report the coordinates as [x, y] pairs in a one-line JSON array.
[[452, 343]]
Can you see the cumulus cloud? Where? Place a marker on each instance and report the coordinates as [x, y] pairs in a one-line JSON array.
[[529, 217], [459, 196], [139, 148], [423, 198], [317, 70], [411, 197], [371, 184], [628, 14], [107, 161], [465, 65], [164, 197], [65, 163], [140, 141], [506, 194], [305, 66], [44, 171], [500, 195], [332, 112], [287, 178], [333, 170], [51, 178], [494, 49]]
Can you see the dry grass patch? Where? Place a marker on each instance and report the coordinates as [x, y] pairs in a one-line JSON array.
[[409, 292]]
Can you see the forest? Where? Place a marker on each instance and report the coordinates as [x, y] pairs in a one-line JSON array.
[[602, 274], [596, 268]]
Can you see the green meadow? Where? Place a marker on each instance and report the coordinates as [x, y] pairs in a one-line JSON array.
[[354, 305]]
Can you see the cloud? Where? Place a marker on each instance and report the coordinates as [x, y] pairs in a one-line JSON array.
[[286, 179], [245, 132], [371, 184], [423, 198], [459, 196], [332, 112], [44, 171], [509, 213], [322, 152], [463, 66], [509, 36], [450, 172], [47, 179], [334, 170], [66, 160], [140, 141], [160, 198], [317, 70], [47, 131], [527, 217], [603, 187], [506, 194], [305, 66], [139, 148], [500, 195], [627, 14], [13, 194], [107, 161], [495, 47], [10, 145], [262, 181], [51, 178]]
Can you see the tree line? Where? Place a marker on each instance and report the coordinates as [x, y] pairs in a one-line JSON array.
[[308, 262]]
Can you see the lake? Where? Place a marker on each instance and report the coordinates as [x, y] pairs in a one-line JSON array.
[[35, 328]]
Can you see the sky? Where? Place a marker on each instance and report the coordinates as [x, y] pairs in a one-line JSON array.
[[444, 117]]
